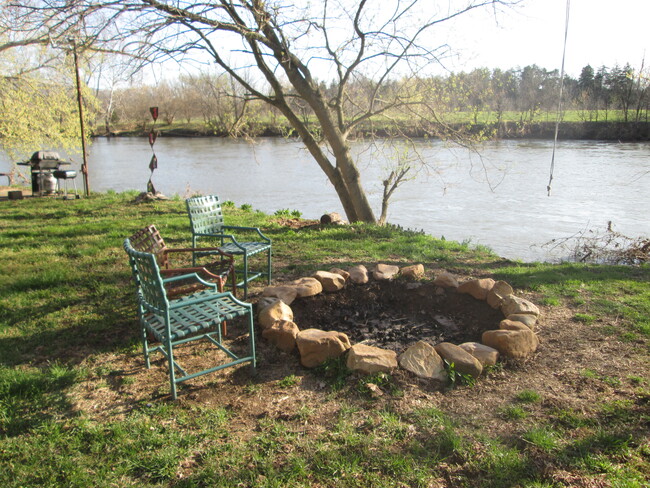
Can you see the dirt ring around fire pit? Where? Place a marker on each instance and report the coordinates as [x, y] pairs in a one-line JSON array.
[[390, 318]]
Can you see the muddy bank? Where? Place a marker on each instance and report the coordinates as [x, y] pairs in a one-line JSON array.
[[606, 131], [603, 131]]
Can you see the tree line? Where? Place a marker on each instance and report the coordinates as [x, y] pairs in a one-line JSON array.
[[483, 95]]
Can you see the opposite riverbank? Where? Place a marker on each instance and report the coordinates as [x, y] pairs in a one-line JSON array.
[[603, 130]]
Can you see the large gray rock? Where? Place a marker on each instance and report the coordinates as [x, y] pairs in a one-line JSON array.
[[463, 361], [514, 305], [486, 355], [369, 359], [282, 334], [511, 343], [422, 360], [278, 311], [316, 346], [330, 281], [477, 288]]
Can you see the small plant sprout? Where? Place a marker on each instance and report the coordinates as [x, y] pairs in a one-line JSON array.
[[289, 381], [458, 378], [528, 396]]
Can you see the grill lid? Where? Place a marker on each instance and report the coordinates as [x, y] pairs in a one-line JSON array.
[[39, 156], [45, 160]]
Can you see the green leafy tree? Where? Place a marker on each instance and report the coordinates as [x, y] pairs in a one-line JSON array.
[[504, 92], [531, 82], [480, 91], [587, 95], [621, 84], [38, 103]]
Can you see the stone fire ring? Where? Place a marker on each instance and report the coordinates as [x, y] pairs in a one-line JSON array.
[[513, 337]]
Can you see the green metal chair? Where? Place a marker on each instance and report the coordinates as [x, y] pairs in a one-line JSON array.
[[189, 318], [206, 221]]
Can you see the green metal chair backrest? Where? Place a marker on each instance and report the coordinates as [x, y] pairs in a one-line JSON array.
[[146, 273], [206, 216]]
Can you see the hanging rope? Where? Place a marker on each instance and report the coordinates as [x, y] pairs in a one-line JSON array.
[[559, 103]]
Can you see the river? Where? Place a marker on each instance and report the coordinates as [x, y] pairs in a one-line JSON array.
[[495, 197]]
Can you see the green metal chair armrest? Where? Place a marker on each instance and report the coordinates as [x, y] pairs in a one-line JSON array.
[[189, 276], [256, 229], [211, 250], [225, 236]]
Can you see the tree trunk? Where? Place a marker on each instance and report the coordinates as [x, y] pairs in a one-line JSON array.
[[345, 175]]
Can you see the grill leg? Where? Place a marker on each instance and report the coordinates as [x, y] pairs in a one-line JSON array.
[[74, 182], [64, 192]]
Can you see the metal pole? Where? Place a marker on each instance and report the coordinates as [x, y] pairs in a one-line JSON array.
[[84, 166]]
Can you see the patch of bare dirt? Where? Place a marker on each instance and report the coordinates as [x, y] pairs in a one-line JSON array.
[[297, 223]]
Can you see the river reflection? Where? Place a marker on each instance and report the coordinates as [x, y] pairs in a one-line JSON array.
[[496, 197]]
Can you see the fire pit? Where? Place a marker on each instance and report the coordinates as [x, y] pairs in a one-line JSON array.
[[383, 323], [387, 314]]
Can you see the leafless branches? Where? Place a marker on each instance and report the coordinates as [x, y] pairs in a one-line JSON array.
[[604, 247]]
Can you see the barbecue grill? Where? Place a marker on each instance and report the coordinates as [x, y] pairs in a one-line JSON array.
[[45, 169]]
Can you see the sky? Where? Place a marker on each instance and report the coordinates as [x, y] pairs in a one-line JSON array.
[[600, 32]]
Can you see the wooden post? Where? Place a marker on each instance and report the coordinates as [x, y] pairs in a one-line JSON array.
[[84, 166]]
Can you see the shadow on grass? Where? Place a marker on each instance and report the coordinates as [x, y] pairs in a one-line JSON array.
[[68, 325], [71, 345], [32, 397]]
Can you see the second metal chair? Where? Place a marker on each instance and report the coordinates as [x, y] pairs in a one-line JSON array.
[[206, 221]]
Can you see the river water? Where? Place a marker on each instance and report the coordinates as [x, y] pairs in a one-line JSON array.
[[495, 196]]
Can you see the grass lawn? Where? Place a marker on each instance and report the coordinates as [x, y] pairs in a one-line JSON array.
[[78, 408]]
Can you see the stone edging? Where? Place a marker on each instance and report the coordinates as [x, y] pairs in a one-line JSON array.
[[514, 337]]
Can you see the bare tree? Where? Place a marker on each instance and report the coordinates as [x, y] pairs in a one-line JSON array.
[[285, 44], [109, 73], [133, 104]]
